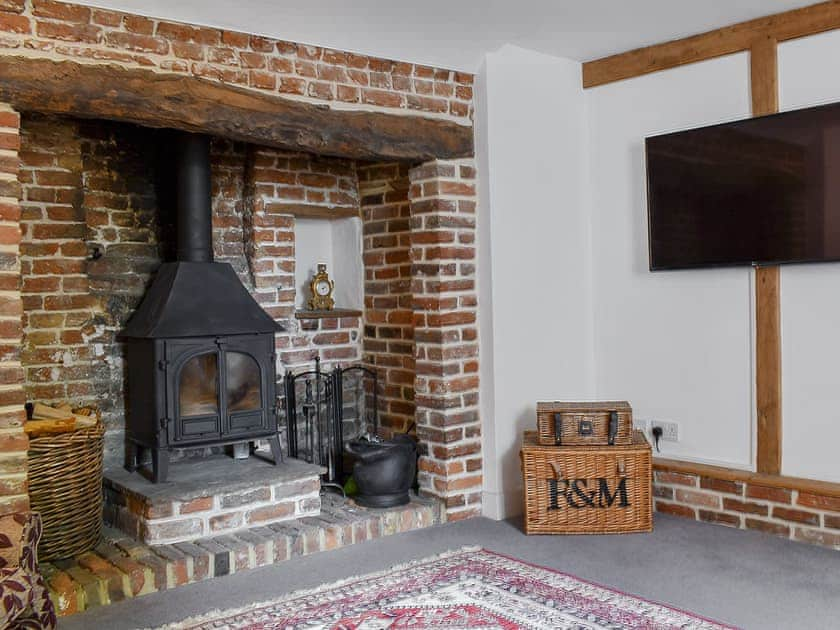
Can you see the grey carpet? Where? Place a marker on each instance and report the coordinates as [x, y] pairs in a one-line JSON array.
[[749, 579]]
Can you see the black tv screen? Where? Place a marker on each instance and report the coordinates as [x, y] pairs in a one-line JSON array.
[[758, 191]]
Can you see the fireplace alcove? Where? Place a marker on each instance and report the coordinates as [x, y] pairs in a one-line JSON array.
[[384, 149]]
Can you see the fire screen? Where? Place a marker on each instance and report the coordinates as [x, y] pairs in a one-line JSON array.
[[325, 411]]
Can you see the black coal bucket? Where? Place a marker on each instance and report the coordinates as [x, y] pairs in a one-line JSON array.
[[384, 471]]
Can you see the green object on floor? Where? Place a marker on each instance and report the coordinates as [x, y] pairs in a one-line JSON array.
[[350, 487]]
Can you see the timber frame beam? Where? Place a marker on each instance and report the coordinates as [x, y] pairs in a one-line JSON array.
[[760, 38], [154, 99], [779, 27]]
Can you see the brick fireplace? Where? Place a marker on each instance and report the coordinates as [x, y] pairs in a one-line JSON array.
[[302, 133]]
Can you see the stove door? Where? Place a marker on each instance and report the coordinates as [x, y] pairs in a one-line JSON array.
[[195, 395], [248, 385]]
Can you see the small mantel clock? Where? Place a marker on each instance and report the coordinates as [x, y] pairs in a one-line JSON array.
[[322, 290]]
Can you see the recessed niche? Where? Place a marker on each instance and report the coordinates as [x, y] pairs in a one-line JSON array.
[[338, 244]]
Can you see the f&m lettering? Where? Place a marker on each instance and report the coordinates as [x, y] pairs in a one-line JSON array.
[[577, 495]]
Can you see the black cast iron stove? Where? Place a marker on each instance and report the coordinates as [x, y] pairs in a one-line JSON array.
[[200, 350]]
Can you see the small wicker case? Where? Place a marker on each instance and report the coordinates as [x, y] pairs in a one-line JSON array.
[[585, 423], [587, 489]]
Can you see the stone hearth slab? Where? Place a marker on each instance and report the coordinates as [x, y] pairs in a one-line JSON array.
[[120, 567], [209, 496]]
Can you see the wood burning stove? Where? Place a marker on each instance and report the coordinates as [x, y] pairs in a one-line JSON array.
[[200, 350]]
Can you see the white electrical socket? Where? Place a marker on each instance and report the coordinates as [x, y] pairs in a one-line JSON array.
[[670, 430]]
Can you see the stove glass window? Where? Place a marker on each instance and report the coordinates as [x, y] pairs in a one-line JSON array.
[[242, 377], [198, 390]]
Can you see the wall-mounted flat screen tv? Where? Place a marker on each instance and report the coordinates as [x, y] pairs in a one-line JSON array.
[[758, 191]]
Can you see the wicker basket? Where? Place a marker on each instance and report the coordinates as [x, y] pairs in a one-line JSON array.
[[584, 423], [65, 486], [587, 489]]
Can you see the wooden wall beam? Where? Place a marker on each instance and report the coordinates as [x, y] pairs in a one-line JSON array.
[[764, 88], [780, 27], [162, 100], [768, 371]]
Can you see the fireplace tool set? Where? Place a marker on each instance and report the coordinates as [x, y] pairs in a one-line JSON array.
[[332, 417]]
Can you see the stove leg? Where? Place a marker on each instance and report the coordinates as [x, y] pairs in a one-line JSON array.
[[131, 456], [276, 451], [160, 465]]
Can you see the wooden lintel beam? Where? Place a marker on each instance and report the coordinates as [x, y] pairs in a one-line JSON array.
[[810, 20], [194, 104]]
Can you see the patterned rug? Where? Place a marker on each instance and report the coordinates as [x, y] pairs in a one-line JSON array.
[[470, 588]]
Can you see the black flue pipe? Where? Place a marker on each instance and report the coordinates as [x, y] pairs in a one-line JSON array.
[[192, 195]]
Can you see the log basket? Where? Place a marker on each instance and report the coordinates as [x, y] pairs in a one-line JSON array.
[[65, 486]]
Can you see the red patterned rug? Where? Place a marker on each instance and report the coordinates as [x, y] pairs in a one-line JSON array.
[[471, 588]]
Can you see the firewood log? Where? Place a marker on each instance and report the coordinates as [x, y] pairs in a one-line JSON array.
[[44, 412], [46, 427]]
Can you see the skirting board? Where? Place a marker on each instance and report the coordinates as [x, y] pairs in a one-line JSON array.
[[502, 505]]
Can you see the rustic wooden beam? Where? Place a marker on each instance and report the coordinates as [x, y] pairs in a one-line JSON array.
[[810, 20], [194, 104], [764, 76], [764, 84], [768, 370]]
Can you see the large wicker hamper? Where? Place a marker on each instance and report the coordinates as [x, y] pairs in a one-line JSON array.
[[587, 489], [65, 486]]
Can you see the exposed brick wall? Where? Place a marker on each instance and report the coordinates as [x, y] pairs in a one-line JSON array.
[[87, 192], [13, 441], [227, 178], [278, 183], [89, 188], [789, 513], [47, 27], [389, 315], [443, 210]]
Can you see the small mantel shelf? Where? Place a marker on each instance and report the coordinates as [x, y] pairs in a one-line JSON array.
[[313, 211], [335, 313]]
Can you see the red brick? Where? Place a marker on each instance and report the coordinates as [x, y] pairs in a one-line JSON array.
[[748, 507], [722, 485], [832, 521], [381, 98], [139, 24], [675, 510], [271, 512], [698, 498], [66, 593], [777, 495], [765, 526], [797, 516], [139, 43], [719, 517], [816, 537], [199, 504], [818, 501]]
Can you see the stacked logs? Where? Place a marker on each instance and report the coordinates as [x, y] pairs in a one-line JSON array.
[[59, 418]]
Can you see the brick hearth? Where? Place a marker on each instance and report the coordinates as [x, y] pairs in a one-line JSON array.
[[120, 567], [216, 496]]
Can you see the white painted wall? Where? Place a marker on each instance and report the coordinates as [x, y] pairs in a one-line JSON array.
[[338, 243], [534, 281], [810, 300], [677, 344]]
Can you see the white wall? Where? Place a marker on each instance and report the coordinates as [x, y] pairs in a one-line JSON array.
[[338, 243], [677, 344], [534, 282], [810, 299]]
